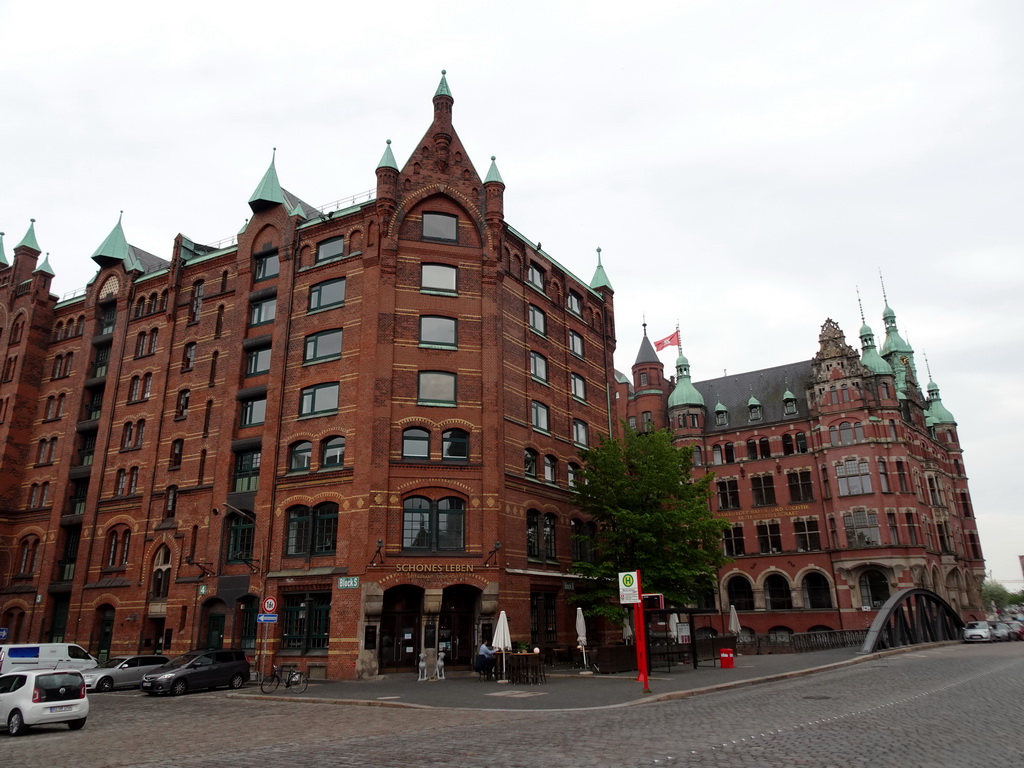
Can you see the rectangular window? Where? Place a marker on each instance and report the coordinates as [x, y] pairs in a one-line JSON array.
[[579, 386], [883, 476], [254, 412], [330, 293], [862, 529], [318, 399], [325, 345], [257, 361], [580, 433], [808, 537], [575, 344], [440, 226], [330, 249], [769, 537], [439, 277], [728, 494], [539, 366], [853, 477], [538, 321], [894, 529], [535, 276], [901, 476], [912, 529], [247, 471], [763, 487], [574, 303], [436, 388], [439, 331], [800, 488], [267, 266], [540, 416], [262, 312], [733, 541]]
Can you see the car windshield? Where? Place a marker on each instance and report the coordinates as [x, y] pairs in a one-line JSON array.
[[182, 661], [114, 662], [978, 625]]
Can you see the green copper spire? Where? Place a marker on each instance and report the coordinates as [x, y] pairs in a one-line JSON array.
[[44, 268], [936, 410], [600, 278], [442, 88], [388, 158], [869, 354], [3, 257], [268, 193], [684, 392], [492, 173], [115, 248], [29, 240]]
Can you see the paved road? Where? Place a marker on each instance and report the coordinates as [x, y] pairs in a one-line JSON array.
[[954, 705]]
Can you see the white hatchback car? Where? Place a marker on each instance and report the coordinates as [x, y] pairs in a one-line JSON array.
[[977, 632], [42, 697]]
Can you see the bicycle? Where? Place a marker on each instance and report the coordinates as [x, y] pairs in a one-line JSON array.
[[293, 680]]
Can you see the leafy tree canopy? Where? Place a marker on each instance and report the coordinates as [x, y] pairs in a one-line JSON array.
[[651, 517]]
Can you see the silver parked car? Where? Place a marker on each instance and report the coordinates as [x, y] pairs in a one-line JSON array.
[[121, 671], [977, 632], [1000, 631]]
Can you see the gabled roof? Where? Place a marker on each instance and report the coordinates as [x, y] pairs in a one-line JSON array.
[[769, 385]]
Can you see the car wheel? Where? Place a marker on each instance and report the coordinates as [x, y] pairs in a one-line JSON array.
[[77, 725], [179, 687], [236, 682], [104, 684], [16, 724]]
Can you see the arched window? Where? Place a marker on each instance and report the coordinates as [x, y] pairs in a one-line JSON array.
[[846, 433], [126, 435], [550, 544], [550, 469], [416, 444], [741, 593], [874, 588], [171, 501], [188, 356], [730, 456], [196, 307], [777, 595], [300, 455], [433, 525], [177, 452], [455, 445], [161, 576], [332, 452], [133, 480], [698, 456], [582, 535], [181, 408], [152, 340], [787, 445], [765, 448], [312, 531], [530, 463], [716, 455], [751, 449], [573, 475], [801, 442], [816, 591], [533, 534], [29, 555], [140, 344], [858, 432]]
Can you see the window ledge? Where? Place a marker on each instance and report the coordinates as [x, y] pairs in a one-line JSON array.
[[325, 308], [449, 347], [317, 415], [439, 292], [316, 360], [544, 382], [437, 403]]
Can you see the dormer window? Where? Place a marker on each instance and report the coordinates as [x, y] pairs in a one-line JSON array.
[[789, 407], [755, 412], [721, 418], [440, 226]]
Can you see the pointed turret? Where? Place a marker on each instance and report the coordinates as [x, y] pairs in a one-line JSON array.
[[387, 160], [937, 412], [869, 354], [44, 268], [29, 240], [684, 392], [646, 354], [116, 249], [268, 193], [3, 257], [600, 278], [442, 87], [492, 173]]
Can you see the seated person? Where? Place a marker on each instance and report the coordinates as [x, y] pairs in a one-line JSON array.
[[485, 658]]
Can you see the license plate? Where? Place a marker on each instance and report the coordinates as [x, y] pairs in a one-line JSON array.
[[146, 684], [66, 708]]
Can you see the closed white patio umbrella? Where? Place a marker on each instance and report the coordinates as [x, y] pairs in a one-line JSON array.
[[502, 640], [734, 621], [581, 637]]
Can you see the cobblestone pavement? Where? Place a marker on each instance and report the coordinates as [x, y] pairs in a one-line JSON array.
[[954, 705]]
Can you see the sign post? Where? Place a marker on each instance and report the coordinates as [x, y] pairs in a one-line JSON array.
[[266, 618], [630, 594]]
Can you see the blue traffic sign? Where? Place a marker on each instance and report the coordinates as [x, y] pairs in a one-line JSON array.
[[266, 618], [3, 633]]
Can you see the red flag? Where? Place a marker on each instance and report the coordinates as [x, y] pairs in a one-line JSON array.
[[668, 341]]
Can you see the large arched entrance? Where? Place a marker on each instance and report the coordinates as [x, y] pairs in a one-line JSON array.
[[400, 620], [456, 624]]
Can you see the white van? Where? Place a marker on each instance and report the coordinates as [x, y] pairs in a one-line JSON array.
[[44, 656]]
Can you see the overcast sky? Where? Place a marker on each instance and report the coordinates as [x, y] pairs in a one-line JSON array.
[[743, 165]]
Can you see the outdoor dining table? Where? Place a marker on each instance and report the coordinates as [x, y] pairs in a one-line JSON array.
[[520, 668]]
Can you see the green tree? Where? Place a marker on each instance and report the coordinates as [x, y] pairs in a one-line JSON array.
[[651, 517], [994, 593]]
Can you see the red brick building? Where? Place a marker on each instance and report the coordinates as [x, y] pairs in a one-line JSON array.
[[369, 414], [844, 482]]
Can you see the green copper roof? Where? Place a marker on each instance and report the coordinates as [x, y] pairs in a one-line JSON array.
[[268, 193], [600, 278], [29, 240], [387, 160], [936, 410], [684, 392], [492, 173], [115, 248], [787, 395], [720, 408], [3, 258], [442, 87], [752, 402], [869, 355], [45, 267], [297, 211]]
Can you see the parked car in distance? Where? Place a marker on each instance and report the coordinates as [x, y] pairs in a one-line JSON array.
[[1017, 630], [42, 697], [198, 669], [1000, 631], [121, 671], [977, 632]]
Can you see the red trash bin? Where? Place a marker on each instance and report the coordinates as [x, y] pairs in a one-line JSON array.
[[725, 658]]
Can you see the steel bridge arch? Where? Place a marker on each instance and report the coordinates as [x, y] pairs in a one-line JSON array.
[[910, 617]]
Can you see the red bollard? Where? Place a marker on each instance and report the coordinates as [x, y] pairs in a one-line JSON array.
[[725, 658]]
